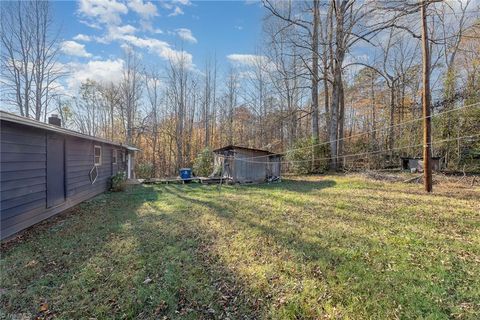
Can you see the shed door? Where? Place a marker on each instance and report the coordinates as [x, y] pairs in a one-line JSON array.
[[55, 170]]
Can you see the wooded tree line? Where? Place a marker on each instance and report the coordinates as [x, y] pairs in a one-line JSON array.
[[343, 76], [29, 51]]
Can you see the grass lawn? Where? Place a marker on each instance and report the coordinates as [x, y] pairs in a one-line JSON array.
[[307, 248]]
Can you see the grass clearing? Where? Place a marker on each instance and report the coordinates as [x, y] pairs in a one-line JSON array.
[[310, 247]]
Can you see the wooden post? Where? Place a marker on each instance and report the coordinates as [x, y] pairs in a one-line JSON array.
[[427, 138]]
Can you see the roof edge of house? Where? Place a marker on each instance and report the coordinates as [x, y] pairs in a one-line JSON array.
[[232, 147], [11, 117]]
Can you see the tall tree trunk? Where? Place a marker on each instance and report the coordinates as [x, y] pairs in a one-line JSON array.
[[374, 115], [316, 22], [391, 132], [337, 80], [341, 122], [206, 109], [326, 95]]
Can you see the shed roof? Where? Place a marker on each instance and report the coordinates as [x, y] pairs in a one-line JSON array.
[[233, 147], [10, 117]]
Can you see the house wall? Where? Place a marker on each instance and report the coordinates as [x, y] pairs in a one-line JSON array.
[[418, 164], [23, 175], [274, 167], [256, 167], [254, 170], [79, 162]]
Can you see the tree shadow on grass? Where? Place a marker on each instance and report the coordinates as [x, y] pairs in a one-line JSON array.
[[288, 198], [149, 254], [301, 186], [194, 282], [229, 210], [316, 256], [375, 197], [49, 255], [118, 256], [341, 255]]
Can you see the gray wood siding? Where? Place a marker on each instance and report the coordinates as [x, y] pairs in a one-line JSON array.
[[79, 157], [23, 175], [253, 169]]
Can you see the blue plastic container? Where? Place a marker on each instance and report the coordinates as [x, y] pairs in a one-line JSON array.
[[186, 173]]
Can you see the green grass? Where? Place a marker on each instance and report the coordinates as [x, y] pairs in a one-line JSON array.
[[307, 248]]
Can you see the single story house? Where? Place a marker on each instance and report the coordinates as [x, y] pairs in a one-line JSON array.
[[244, 165], [416, 163], [46, 169]]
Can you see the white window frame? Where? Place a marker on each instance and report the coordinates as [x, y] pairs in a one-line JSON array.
[[114, 156], [99, 163]]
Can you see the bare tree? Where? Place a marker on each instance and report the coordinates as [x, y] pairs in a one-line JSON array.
[[45, 51], [178, 76], [131, 89], [17, 67], [29, 56], [208, 109], [231, 102], [152, 85], [296, 14], [286, 76], [111, 94]]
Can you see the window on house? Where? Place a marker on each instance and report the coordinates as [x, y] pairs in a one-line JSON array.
[[97, 155], [123, 156], [114, 156]]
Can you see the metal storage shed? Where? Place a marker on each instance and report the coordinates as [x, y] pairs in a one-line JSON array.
[[409, 163], [243, 165], [46, 169]]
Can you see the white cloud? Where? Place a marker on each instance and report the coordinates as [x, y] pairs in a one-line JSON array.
[[116, 33], [92, 25], [125, 35], [240, 28], [176, 12], [182, 2], [103, 71], [175, 4], [73, 48], [246, 74], [108, 15], [106, 11], [121, 30], [161, 48], [186, 34], [166, 5], [146, 10], [82, 37], [146, 25], [247, 59]]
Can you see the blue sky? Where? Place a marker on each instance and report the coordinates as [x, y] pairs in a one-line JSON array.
[[94, 33]]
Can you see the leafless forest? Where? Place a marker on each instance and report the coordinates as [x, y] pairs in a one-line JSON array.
[[333, 84]]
